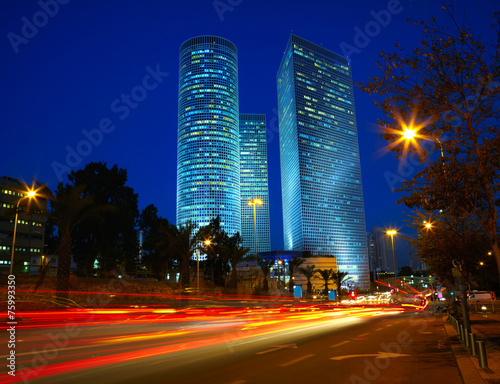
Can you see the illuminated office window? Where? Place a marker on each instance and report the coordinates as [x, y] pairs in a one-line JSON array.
[[208, 151], [254, 182], [322, 195]]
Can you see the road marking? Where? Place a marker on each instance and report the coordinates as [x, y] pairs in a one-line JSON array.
[[358, 338], [364, 334], [389, 325], [380, 355], [339, 344], [296, 360], [277, 348], [442, 344], [378, 329], [425, 333]]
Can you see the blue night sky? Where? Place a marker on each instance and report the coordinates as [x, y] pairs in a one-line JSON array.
[[70, 72]]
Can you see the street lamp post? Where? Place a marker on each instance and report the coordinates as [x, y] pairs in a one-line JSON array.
[[392, 232], [255, 202], [207, 243], [280, 262], [29, 195], [409, 134]]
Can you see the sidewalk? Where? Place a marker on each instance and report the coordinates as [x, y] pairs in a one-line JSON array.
[[486, 327]]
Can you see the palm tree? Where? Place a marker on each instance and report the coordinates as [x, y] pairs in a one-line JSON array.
[[308, 272], [293, 264], [237, 255], [182, 244], [339, 278], [234, 253], [325, 274], [265, 266]]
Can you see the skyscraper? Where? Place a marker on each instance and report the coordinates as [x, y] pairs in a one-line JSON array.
[[208, 150], [372, 254], [383, 250], [322, 195], [254, 182]]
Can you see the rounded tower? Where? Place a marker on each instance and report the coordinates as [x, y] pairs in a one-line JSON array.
[[208, 149]]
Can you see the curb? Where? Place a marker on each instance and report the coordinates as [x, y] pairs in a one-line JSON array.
[[468, 369]]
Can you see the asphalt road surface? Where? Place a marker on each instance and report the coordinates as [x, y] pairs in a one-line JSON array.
[[235, 346]]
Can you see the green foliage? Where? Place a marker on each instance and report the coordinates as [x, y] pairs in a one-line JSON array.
[[69, 208], [293, 265], [406, 271], [112, 240], [449, 240], [155, 247], [326, 275], [183, 241], [265, 266], [234, 253], [308, 272], [216, 264], [448, 89], [339, 278]]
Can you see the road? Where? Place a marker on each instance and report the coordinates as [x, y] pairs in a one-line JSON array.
[[234, 346]]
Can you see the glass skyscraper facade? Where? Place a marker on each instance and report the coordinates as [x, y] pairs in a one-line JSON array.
[[383, 250], [208, 149], [254, 182], [322, 195]]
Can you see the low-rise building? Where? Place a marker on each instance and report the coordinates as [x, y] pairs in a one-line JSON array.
[[30, 229]]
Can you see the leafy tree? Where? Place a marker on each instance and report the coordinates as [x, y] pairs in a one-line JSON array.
[[406, 271], [452, 240], [68, 209], [113, 240], [293, 265], [449, 241], [339, 278], [155, 246], [217, 263], [183, 241], [265, 266], [447, 90], [326, 275], [308, 272]]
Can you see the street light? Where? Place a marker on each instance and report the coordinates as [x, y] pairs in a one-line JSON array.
[[409, 133], [207, 243], [255, 202], [428, 225], [392, 232], [31, 193], [280, 262]]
